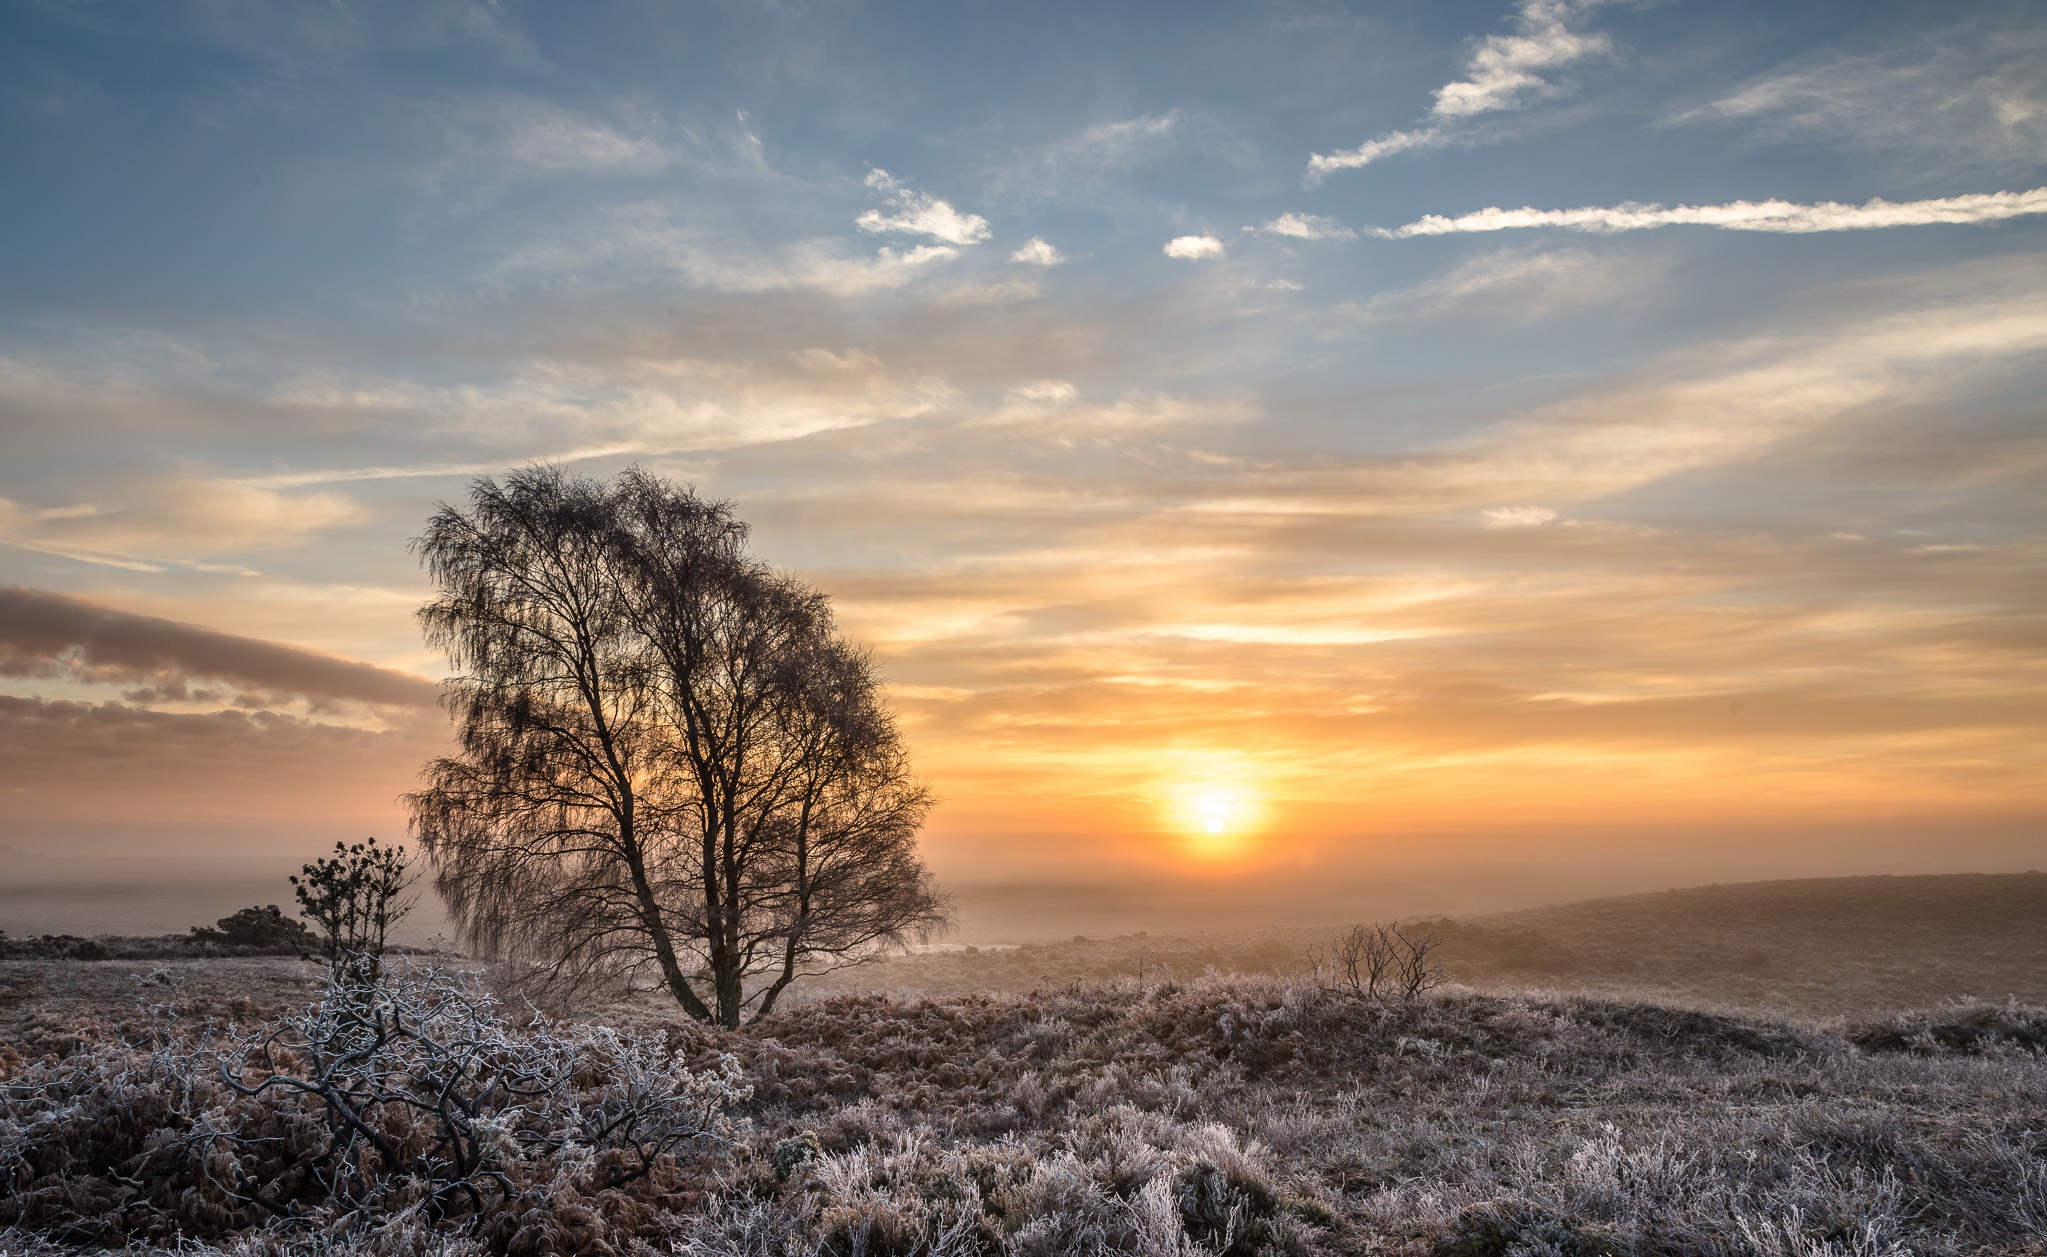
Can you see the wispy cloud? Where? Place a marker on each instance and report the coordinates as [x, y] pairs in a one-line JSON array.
[[629, 244], [1772, 216], [145, 524], [1504, 73], [1971, 96], [1518, 286], [1194, 248], [914, 213], [1306, 227], [1097, 151]]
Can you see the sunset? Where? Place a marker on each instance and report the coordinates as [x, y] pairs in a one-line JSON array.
[[1223, 469]]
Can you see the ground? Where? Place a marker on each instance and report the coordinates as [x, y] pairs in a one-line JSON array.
[[1189, 1112]]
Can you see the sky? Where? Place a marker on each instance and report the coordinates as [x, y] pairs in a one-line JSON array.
[[1281, 443]]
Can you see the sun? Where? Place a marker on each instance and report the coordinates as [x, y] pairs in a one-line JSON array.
[[1216, 820]]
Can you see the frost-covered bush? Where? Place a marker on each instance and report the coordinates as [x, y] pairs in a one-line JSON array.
[[412, 1099], [1247, 1117]]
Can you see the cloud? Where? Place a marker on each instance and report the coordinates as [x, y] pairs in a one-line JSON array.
[[144, 523], [1770, 216], [1096, 150], [520, 135], [1194, 247], [1035, 252], [919, 215], [52, 635], [1306, 227], [1518, 286], [1759, 394], [631, 244], [1058, 392], [1113, 141], [1518, 516], [1970, 95], [1505, 72]]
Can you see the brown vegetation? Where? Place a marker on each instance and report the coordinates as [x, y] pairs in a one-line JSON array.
[[1237, 1116], [1821, 947]]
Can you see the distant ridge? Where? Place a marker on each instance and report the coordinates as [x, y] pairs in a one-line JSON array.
[[1816, 947]]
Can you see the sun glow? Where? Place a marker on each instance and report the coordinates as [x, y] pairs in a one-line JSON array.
[[1215, 820]]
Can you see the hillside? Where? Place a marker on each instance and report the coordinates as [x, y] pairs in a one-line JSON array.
[[1817, 947]]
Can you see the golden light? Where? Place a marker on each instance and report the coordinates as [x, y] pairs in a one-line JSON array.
[[1216, 819]]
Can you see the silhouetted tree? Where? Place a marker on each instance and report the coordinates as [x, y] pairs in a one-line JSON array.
[[669, 760], [355, 896]]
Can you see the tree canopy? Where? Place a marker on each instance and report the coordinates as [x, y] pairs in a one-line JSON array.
[[669, 762]]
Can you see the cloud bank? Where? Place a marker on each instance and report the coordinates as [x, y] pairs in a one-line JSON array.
[[50, 635], [1773, 216]]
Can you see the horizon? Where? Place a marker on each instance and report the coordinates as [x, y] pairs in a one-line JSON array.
[[1385, 455]]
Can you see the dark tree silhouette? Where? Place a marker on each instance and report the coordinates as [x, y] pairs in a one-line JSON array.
[[670, 762], [354, 896]]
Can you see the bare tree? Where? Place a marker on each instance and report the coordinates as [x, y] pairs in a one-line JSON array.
[[670, 763]]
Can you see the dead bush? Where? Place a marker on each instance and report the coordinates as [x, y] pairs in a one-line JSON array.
[[1380, 962]]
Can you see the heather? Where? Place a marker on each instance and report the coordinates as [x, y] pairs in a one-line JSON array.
[[1223, 1115]]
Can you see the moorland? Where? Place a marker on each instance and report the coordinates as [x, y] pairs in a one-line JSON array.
[[1848, 1066]]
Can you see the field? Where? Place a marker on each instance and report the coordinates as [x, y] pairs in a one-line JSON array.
[[1814, 948], [1168, 1110]]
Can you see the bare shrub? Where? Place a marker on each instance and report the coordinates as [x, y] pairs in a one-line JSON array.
[[408, 1101], [1381, 962]]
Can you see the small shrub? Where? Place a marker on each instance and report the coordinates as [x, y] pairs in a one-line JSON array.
[[355, 896], [264, 929], [792, 1152]]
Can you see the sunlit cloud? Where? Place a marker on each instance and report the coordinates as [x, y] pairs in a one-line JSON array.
[[148, 523], [1035, 252], [913, 213], [1504, 73], [1306, 227], [1771, 216], [1194, 247], [631, 245], [1517, 516]]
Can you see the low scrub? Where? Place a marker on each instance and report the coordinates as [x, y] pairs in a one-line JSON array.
[[1237, 1117]]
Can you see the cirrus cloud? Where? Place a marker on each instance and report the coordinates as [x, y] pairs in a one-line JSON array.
[[1787, 217], [1505, 72]]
